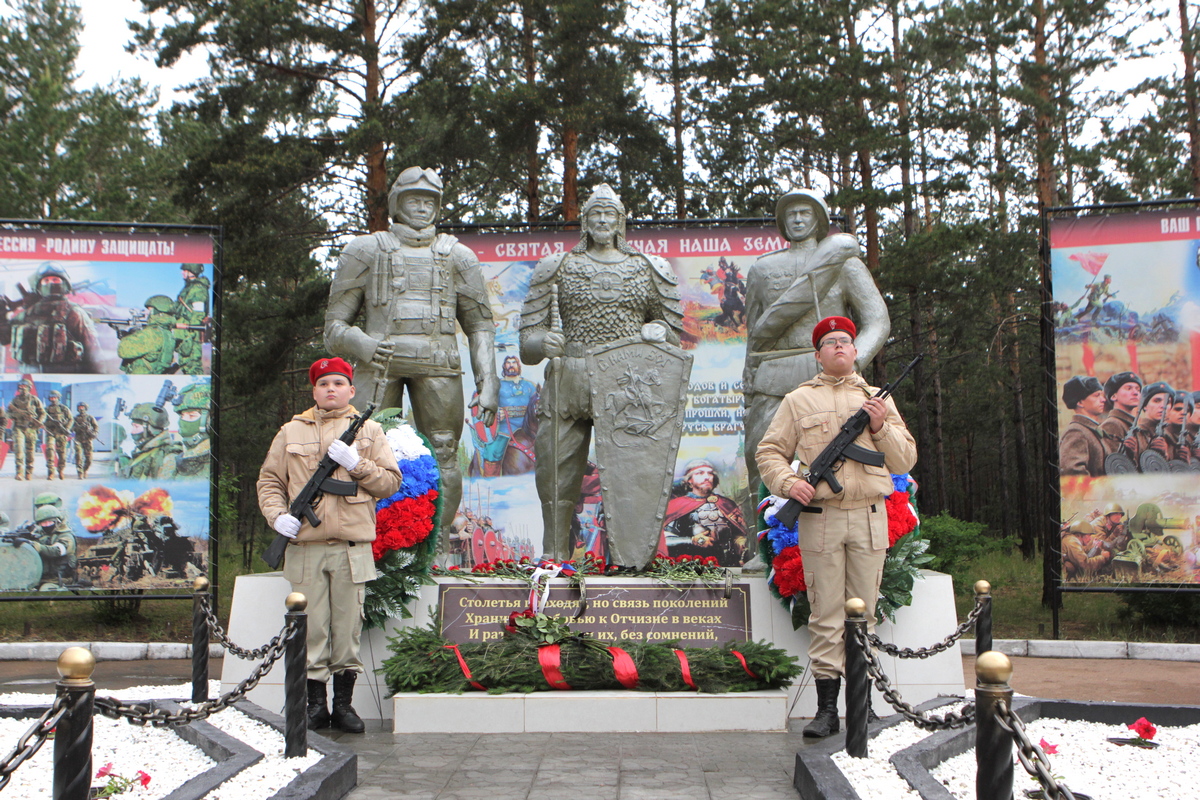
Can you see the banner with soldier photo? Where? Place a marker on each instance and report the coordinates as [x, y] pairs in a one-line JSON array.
[[105, 395], [1126, 311], [500, 515]]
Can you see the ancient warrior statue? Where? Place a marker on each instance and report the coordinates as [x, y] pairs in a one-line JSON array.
[[580, 305]]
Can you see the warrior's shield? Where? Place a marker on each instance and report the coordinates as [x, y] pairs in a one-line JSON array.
[[639, 391]]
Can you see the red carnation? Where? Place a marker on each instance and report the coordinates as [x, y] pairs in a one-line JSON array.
[[511, 627], [789, 572], [403, 524], [901, 520]]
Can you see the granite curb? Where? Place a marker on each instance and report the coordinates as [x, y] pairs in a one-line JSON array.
[[103, 651], [1079, 648]]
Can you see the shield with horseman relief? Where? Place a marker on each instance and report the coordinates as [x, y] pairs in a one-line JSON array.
[[639, 391]]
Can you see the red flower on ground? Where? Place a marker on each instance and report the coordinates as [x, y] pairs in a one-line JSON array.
[[789, 572], [142, 778], [1143, 728], [1047, 748], [104, 771]]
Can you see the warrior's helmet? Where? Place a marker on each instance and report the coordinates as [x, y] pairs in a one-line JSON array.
[[415, 179]]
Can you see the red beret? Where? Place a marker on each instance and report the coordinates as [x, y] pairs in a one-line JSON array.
[[831, 324], [326, 366]]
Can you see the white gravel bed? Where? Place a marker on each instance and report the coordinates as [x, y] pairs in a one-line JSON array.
[[1088, 763], [873, 777], [168, 760]]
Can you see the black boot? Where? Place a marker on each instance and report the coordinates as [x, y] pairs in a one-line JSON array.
[[318, 709], [826, 720], [344, 718]]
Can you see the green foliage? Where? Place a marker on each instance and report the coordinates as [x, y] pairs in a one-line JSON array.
[[905, 559], [421, 661], [955, 544], [1177, 609]]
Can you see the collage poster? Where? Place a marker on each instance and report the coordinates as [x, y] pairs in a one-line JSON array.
[[1126, 311], [105, 394], [500, 515]]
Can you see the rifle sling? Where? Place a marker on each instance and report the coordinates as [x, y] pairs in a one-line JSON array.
[[339, 488]]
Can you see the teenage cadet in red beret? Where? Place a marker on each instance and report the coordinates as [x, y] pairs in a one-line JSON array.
[[329, 564], [844, 546]]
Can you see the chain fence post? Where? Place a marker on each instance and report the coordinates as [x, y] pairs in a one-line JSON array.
[[73, 734], [296, 679], [200, 636], [858, 687], [993, 744], [983, 623]]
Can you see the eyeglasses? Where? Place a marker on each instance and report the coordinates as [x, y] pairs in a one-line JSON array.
[[837, 343]]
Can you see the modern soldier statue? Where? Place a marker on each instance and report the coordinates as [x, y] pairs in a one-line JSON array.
[[787, 293], [58, 434], [28, 415], [192, 405], [582, 306], [407, 287], [86, 429], [50, 333], [191, 311]]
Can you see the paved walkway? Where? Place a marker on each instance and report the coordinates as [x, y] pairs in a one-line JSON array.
[[625, 766]]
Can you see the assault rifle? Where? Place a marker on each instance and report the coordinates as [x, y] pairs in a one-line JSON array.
[[841, 448], [304, 505], [25, 532], [137, 320]]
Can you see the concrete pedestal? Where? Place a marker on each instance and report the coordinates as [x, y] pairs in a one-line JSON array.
[[258, 611]]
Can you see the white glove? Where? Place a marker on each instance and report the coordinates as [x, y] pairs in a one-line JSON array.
[[654, 332], [343, 454], [287, 525]]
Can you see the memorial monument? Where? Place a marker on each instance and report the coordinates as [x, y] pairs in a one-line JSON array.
[[608, 318], [411, 284]]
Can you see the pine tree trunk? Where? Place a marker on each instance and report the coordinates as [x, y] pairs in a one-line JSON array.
[[1190, 94], [377, 189], [1043, 123], [677, 113], [570, 172], [532, 163]]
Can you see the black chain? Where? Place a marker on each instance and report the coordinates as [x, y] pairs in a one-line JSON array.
[[926, 652], [140, 714], [929, 722], [1032, 758], [32, 739], [219, 634]]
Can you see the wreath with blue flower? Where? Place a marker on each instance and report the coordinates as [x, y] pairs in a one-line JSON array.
[[405, 524], [779, 547]]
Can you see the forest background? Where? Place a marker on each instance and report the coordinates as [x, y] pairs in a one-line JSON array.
[[939, 130]]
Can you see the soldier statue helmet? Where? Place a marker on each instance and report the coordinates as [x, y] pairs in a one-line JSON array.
[[603, 197], [51, 270], [802, 196], [418, 180]]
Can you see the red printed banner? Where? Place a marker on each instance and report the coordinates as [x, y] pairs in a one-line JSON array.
[[128, 247]]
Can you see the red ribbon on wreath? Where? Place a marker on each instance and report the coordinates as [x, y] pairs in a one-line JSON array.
[[624, 668], [742, 659], [686, 670], [462, 663], [549, 659]]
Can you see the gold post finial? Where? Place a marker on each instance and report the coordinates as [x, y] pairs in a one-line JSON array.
[[75, 665], [993, 667], [296, 601], [856, 608], [983, 588], [201, 584]]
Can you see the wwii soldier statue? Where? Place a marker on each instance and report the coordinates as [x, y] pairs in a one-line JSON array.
[[50, 333], [410, 284], [155, 447], [58, 434], [192, 405], [86, 429], [28, 415], [151, 349], [57, 547], [191, 312], [787, 293], [600, 294]]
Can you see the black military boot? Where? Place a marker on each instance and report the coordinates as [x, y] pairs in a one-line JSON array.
[[344, 718], [318, 708], [826, 720]]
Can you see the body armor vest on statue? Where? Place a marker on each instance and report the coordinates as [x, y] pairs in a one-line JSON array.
[[413, 288]]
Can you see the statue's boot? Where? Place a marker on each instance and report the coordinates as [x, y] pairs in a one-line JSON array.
[[558, 518], [825, 722]]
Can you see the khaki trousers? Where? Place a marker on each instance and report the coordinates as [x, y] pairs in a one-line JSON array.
[[333, 578], [843, 552]]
